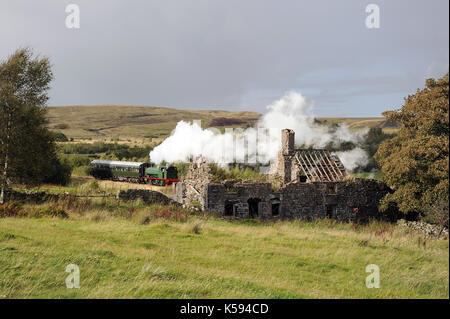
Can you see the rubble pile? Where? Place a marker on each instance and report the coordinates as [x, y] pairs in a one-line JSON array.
[[425, 228]]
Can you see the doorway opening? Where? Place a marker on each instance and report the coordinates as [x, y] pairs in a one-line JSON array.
[[253, 204], [229, 211], [331, 209], [275, 203]]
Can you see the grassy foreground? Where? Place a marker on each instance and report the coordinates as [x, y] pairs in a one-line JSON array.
[[206, 257]]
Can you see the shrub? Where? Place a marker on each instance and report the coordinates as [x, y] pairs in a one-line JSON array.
[[196, 227], [60, 137], [143, 218], [59, 172], [79, 160], [10, 209], [49, 211], [194, 206], [235, 172], [98, 216], [224, 121], [82, 170], [94, 185], [146, 215]]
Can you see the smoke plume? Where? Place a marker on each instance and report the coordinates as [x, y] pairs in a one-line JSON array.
[[259, 144]]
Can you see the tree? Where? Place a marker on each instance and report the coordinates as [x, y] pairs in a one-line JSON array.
[[27, 148], [415, 162], [374, 137]]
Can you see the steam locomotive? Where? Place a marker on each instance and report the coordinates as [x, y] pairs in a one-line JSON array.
[[136, 172]]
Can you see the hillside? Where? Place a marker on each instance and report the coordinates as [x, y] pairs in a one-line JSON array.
[[148, 122], [135, 121]]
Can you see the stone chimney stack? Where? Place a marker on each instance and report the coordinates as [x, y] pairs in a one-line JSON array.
[[287, 142], [285, 157]]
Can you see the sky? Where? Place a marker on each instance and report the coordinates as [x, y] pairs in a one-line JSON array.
[[234, 54]]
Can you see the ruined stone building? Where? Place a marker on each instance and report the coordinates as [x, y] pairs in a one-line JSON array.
[[306, 184]]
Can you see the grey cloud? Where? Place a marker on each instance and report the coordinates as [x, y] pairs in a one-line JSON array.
[[232, 54]]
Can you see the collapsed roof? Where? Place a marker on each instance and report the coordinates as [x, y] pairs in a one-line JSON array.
[[319, 165]]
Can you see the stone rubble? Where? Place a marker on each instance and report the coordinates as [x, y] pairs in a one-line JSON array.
[[424, 228]]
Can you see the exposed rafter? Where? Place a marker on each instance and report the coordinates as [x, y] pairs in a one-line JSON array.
[[320, 165]]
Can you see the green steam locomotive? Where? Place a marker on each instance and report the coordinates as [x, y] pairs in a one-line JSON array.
[[136, 172]]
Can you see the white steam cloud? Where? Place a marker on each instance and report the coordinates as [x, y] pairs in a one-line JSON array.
[[262, 143]]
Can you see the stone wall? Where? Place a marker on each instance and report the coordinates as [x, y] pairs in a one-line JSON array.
[[304, 200], [242, 200], [341, 201], [425, 228], [147, 196], [193, 188], [30, 196]]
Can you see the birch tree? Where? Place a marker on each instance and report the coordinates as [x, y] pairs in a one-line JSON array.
[[24, 83]]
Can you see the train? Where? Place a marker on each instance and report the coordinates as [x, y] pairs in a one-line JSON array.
[[136, 172]]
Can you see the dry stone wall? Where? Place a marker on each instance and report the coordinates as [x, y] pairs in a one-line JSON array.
[[147, 196], [30, 196]]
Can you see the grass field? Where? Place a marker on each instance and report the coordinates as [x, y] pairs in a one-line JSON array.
[[83, 185], [142, 124], [122, 255]]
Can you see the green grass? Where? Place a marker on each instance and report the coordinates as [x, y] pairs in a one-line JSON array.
[[206, 257]]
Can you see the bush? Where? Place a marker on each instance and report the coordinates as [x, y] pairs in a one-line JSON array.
[[182, 169], [247, 173], [60, 137], [59, 172], [146, 215], [82, 171], [94, 185], [196, 228], [143, 217], [10, 209], [49, 211], [78, 160], [111, 150]]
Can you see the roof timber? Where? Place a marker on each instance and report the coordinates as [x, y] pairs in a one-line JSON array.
[[320, 165]]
